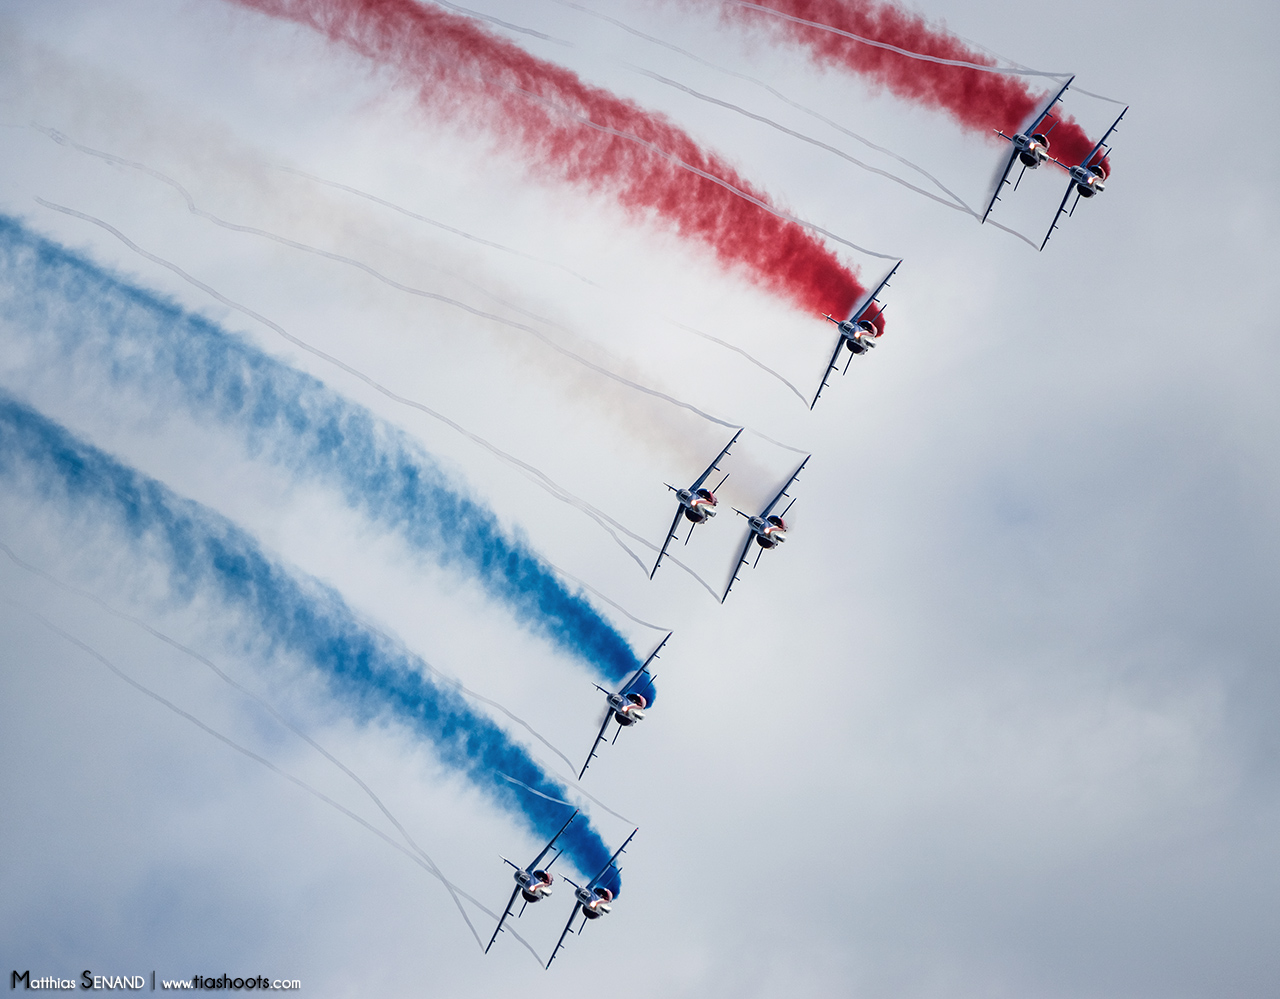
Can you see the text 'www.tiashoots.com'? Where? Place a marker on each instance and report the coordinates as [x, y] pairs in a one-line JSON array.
[[134, 983], [226, 982]]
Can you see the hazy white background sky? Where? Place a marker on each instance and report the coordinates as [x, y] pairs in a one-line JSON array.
[[999, 718]]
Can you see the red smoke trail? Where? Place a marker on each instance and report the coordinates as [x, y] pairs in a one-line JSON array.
[[463, 71], [977, 100]]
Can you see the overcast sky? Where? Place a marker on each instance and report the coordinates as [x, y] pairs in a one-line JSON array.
[[999, 719]]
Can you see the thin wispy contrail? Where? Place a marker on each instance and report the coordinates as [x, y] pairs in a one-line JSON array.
[[751, 358], [609, 648], [205, 554], [391, 282], [827, 147], [697, 171], [874, 43], [958, 202], [377, 275], [612, 527], [570, 132], [955, 202], [413, 851], [271, 710]]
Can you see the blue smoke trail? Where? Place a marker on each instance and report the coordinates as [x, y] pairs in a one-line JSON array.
[[202, 552], [145, 341]]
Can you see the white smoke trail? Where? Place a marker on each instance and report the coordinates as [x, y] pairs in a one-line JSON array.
[[608, 524], [391, 282], [194, 209], [548, 263]]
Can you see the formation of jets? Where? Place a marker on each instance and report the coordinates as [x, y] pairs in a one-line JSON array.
[[533, 884], [1031, 148], [697, 504]]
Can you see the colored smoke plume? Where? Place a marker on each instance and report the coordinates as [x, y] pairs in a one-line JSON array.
[[206, 556], [976, 100], [570, 132], [63, 310]]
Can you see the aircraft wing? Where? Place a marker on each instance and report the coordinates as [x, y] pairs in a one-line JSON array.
[[1049, 107], [505, 913], [666, 544], [596, 745], [712, 467], [567, 927], [547, 849], [742, 560], [1058, 214], [1004, 177], [862, 305], [831, 366], [645, 665], [616, 854], [783, 491], [1102, 141]]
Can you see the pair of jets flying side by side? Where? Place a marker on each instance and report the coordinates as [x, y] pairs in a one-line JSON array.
[[1086, 179], [533, 884], [697, 504]]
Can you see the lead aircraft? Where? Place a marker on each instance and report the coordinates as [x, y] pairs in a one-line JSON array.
[[697, 504], [858, 332], [627, 706], [595, 899], [1087, 177], [531, 882], [1030, 146], [768, 529]]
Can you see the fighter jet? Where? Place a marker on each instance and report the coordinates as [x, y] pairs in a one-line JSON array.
[[859, 332], [1030, 146], [697, 504], [768, 529], [1088, 177], [531, 882], [627, 705], [595, 899]]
